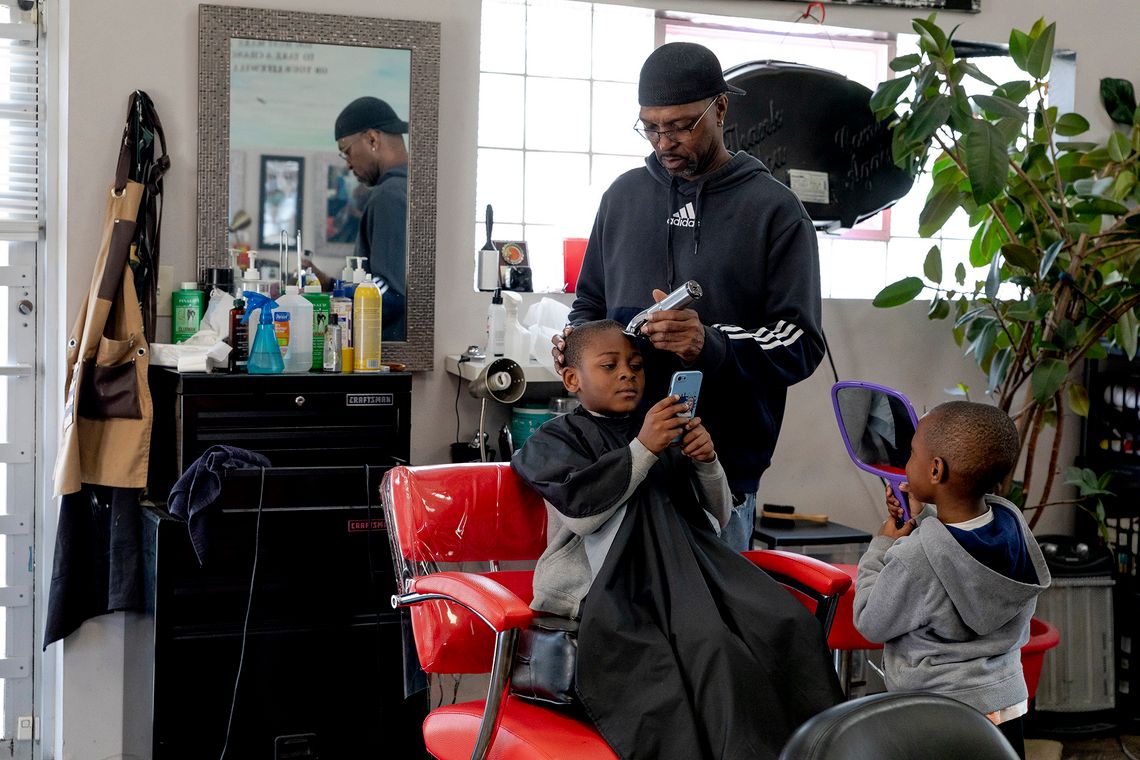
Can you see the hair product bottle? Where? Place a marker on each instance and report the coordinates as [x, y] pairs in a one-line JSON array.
[[265, 355], [322, 305], [293, 321], [239, 338], [366, 316], [187, 306]]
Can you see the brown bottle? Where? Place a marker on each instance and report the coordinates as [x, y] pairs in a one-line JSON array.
[[239, 338]]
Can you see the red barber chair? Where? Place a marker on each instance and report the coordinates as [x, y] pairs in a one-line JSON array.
[[442, 520]]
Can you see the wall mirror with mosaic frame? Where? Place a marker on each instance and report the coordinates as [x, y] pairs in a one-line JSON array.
[[272, 83]]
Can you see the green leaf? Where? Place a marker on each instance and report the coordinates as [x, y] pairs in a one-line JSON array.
[[999, 367], [1072, 124], [983, 343], [1079, 400], [1070, 145], [932, 266], [1119, 99], [960, 273], [1118, 147], [1020, 256], [927, 118], [995, 107], [898, 293], [937, 210], [1014, 91], [1091, 187], [931, 34], [1049, 258], [993, 278], [968, 317], [887, 94], [939, 309], [959, 389], [1100, 206], [906, 62], [976, 73], [1047, 378], [1134, 273], [1019, 47], [1126, 328], [986, 161], [1040, 56]]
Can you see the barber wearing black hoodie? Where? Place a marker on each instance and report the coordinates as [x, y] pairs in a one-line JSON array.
[[698, 212]]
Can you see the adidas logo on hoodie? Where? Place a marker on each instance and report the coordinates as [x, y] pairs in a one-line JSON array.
[[686, 216]]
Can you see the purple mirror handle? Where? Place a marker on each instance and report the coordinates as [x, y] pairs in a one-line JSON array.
[[896, 481]]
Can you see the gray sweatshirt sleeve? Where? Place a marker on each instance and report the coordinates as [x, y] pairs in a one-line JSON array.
[[642, 460], [888, 603], [716, 496]]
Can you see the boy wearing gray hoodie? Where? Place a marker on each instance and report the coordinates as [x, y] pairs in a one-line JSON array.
[[951, 592]]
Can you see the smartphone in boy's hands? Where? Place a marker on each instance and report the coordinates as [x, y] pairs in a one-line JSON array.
[[687, 385]]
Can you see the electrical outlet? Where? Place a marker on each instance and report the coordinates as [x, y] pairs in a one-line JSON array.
[[165, 288], [24, 725]]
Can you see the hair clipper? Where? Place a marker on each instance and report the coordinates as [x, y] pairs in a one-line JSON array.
[[678, 299]]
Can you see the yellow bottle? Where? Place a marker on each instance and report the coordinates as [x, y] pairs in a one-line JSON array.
[[366, 328]]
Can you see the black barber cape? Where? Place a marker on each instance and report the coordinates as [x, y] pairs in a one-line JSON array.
[[686, 650]]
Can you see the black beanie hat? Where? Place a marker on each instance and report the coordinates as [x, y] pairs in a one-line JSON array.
[[368, 113], [681, 72]]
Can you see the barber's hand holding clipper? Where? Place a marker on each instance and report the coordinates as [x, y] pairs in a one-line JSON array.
[[678, 331], [668, 325]]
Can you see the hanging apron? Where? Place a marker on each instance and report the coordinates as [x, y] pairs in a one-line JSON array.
[[101, 467]]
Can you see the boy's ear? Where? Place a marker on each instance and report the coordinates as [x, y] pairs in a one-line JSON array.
[[938, 470], [570, 379]]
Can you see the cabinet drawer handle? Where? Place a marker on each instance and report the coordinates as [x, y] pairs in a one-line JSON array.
[[299, 401]]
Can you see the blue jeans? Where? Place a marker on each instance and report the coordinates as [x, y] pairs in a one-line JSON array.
[[738, 532]]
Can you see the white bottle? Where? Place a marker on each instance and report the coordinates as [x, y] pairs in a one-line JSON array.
[[517, 340], [496, 326], [293, 323]]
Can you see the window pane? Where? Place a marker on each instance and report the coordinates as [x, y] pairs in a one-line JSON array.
[[558, 39], [615, 110], [557, 114], [623, 39], [603, 171], [501, 124], [500, 184], [504, 21], [857, 268], [544, 243], [557, 186]]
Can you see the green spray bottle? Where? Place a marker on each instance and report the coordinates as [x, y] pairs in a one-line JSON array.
[[264, 353]]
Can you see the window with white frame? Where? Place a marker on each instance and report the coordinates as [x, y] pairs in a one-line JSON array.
[[558, 93]]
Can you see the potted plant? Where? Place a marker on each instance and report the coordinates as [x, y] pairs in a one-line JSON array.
[[1056, 222]]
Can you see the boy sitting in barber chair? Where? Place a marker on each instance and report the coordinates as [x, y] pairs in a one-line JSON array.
[[686, 650]]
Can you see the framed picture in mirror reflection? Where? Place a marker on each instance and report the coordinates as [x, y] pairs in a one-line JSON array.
[[281, 198]]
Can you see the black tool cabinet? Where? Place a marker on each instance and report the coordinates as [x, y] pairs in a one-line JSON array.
[[322, 671]]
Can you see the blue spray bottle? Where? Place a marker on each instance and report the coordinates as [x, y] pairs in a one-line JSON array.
[[264, 352]]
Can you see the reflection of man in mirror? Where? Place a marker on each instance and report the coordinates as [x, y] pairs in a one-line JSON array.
[[370, 138]]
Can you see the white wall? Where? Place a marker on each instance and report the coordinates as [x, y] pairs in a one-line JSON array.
[[116, 46]]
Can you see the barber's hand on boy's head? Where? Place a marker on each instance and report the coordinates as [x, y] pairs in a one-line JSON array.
[[559, 341], [678, 331], [662, 424], [697, 443]]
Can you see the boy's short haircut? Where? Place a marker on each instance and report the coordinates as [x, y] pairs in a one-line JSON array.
[[581, 336], [978, 442]]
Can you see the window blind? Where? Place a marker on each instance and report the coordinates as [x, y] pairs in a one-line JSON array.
[[20, 208]]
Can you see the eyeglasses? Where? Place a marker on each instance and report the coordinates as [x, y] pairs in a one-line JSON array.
[[343, 152], [676, 134]]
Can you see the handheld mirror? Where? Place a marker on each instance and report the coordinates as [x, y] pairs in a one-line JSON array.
[[877, 424]]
